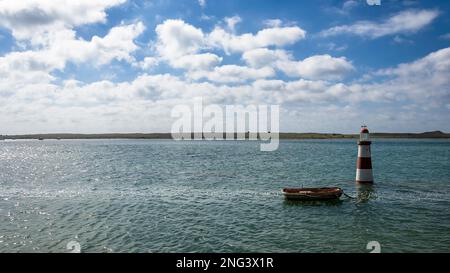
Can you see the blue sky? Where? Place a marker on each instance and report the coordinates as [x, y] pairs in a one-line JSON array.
[[121, 66]]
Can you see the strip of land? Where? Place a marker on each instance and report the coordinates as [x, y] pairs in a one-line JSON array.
[[433, 134]]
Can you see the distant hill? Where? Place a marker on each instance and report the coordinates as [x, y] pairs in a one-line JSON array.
[[432, 134]]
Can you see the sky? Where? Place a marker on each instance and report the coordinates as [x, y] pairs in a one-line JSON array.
[[109, 66]]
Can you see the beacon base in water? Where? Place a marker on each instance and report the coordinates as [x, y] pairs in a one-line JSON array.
[[364, 174]]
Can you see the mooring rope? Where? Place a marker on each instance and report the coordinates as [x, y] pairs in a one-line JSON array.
[[348, 195]]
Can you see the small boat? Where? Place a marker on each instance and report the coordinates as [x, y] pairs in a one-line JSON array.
[[311, 194], [40, 138]]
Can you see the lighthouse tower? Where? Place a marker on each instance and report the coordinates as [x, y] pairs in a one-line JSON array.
[[364, 173]]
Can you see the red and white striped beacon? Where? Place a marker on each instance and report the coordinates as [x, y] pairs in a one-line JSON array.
[[364, 173]]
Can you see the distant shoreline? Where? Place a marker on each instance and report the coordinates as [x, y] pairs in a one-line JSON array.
[[434, 134]]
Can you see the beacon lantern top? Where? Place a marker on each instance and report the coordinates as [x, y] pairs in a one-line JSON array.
[[364, 134]]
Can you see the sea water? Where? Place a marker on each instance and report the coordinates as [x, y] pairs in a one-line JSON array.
[[220, 196]]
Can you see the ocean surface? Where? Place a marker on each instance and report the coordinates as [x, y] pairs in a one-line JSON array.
[[220, 196]]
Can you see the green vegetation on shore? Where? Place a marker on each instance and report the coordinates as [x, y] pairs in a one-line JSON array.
[[434, 134]]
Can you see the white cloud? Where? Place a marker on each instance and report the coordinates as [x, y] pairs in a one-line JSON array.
[[349, 4], [22, 68], [315, 105], [409, 21], [313, 96], [232, 22], [334, 47], [424, 82], [273, 23], [400, 40], [148, 62], [424, 78], [265, 57], [44, 32], [345, 8], [318, 67], [277, 36], [117, 44], [176, 38], [314, 67], [28, 19], [182, 45], [438, 61], [445, 36], [202, 3], [233, 73], [178, 43], [197, 61]]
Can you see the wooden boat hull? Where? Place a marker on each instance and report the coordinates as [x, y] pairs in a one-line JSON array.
[[312, 194]]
